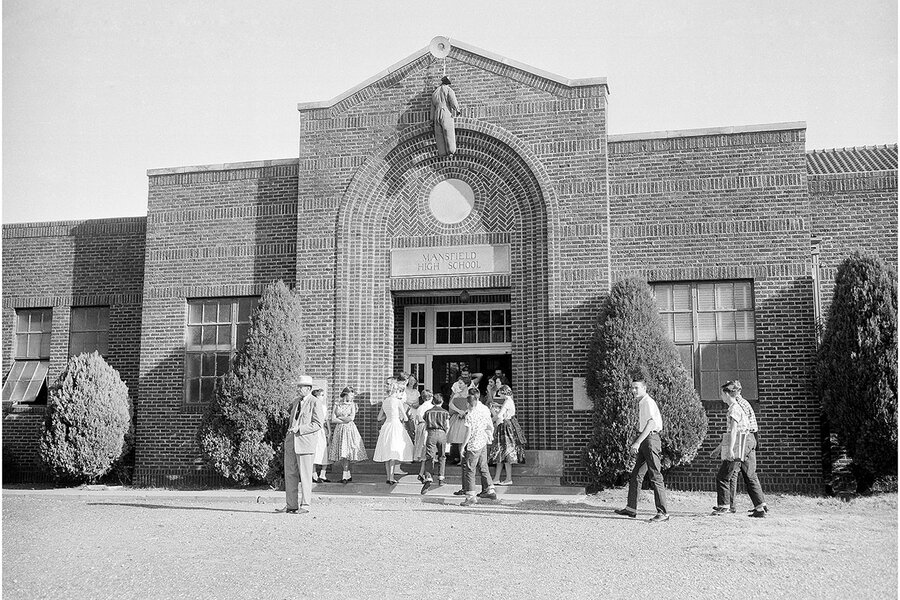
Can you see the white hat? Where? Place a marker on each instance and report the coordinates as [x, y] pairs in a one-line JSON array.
[[303, 380]]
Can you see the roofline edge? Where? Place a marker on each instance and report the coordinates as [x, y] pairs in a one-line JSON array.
[[584, 82], [677, 133]]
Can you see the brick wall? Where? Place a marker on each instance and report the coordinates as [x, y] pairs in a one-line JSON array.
[[220, 231], [853, 211], [532, 148], [60, 265], [728, 204], [732, 203]]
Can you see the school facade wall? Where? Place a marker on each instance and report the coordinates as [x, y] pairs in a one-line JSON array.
[[531, 147], [577, 207], [732, 204], [853, 211], [211, 233], [58, 266]]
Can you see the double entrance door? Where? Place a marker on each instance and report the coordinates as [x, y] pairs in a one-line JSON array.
[[443, 341]]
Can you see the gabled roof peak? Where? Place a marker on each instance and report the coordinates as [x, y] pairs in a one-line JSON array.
[[528, 69]]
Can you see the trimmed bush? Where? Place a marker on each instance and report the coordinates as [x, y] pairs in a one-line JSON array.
[[630, 334], [87, 427], [857, 366], [243, 428]]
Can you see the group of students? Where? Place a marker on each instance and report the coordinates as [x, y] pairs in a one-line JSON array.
[[318, 437], [465, 430], [488, 431], [737, 451]]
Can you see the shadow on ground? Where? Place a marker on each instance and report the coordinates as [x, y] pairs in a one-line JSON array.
[[176, 507]]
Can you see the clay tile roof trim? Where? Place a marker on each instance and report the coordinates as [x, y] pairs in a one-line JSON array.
[[860, 159]]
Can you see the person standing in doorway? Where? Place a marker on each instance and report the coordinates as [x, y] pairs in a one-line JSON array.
[[467, 383], [494, 384], [299, 446], [444, 108], [748, 464], [648, 448]]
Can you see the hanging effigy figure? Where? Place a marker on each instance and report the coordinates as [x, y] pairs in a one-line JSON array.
[[443, 108]]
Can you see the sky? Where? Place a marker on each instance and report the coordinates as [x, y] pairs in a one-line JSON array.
[[95, 93]]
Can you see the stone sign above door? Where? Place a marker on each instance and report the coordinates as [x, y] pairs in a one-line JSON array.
[[450, 260]]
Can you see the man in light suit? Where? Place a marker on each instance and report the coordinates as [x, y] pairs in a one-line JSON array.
[[443, 108], [299, 445]]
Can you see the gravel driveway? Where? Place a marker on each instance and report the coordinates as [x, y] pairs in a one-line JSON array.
[[171, 546]]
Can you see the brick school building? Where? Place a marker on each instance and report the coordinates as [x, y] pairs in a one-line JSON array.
[[496, 257]]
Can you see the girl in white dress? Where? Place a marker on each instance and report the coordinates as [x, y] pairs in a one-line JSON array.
[[394, 444], [320, 456]]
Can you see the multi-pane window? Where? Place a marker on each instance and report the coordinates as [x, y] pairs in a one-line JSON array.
[[89, 330], [215, 330], [417, 327], [473, 326], [712, 324], [418, 369], [27, 379]]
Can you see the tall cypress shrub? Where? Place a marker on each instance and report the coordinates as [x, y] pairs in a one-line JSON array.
[[242, 432], [857, 366], [87, 426], [629, 334]]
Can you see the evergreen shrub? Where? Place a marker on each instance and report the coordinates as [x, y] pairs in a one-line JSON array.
[[87, 426], [629, 334], [857, 366], [242, 432]]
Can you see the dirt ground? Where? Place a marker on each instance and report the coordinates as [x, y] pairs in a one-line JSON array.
[[170, 546]]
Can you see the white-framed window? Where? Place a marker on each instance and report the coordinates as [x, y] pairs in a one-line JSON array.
[[476, 326], [27, 379], [416, 328], [89, 330], [435, 332], [713, 325], [215, 329]]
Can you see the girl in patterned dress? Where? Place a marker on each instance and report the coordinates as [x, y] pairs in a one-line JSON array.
[[346, 443], [509, 445]]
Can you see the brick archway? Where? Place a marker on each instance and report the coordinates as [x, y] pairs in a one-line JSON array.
[[385, 204]]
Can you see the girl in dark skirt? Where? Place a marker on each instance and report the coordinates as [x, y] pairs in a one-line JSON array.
[[509, 442]]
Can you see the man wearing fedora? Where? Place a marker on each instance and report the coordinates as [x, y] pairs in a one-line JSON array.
[[299, 446]]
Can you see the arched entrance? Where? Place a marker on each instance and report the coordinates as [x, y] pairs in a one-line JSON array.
[[386, 208]]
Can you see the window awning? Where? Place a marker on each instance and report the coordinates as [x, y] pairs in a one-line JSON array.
[[25, 379]]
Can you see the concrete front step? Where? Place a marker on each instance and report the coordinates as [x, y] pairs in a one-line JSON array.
[[414, 488], [413, 468], [452, 477]]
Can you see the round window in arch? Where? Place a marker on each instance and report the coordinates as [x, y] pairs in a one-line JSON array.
[[451, 201]]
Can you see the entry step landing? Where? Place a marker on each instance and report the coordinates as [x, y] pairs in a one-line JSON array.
[[540, 474]]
